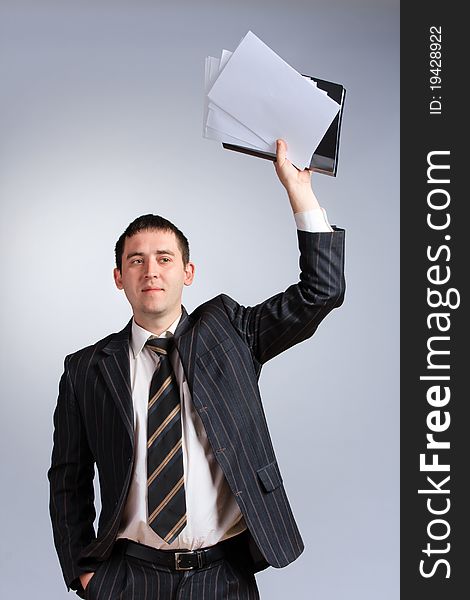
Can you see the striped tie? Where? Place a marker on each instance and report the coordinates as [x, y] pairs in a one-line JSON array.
[[165, 483]]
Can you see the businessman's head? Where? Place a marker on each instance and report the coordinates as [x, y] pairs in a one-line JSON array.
[[152, 266], [151, 223]]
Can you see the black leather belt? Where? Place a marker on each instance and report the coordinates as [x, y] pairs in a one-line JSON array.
[[181, 560]]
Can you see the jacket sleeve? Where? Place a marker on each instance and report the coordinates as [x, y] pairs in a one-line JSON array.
[[292, 316], [71, 482]]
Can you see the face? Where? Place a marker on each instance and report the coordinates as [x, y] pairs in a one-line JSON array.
[[153, 276]]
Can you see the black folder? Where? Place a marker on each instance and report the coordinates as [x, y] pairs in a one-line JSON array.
[[325, 157]]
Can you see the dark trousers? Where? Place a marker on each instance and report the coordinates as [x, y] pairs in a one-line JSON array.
[[122, 577]]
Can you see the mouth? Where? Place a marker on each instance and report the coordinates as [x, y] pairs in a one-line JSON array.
[[152, 289]]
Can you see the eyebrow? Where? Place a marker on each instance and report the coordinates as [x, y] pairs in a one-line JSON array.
[[158, 252]]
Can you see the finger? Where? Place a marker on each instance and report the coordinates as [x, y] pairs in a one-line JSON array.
[[281, 152]]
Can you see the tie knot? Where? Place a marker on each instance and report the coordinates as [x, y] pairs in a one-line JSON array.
[[161, 346]]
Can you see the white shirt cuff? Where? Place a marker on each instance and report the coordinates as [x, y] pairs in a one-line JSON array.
[[314, 220]]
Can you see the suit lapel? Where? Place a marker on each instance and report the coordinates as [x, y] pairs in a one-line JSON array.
[[116, 372], [186, 336]]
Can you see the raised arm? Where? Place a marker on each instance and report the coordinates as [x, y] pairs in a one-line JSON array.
[[292, 316], [297, 183]]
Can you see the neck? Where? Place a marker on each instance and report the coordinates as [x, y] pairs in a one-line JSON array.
[[157, 324]]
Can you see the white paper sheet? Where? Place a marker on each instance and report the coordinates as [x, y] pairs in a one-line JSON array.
[[218, 124], [266, 95], [224, 123]]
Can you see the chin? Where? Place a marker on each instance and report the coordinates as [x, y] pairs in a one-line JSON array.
[[154, 310]]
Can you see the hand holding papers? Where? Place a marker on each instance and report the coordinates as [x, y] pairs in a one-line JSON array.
[[253, 98]]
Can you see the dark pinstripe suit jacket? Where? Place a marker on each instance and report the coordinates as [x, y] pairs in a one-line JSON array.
[[222, 346]]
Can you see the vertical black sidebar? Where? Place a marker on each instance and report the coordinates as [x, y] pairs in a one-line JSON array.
[[435, 357]]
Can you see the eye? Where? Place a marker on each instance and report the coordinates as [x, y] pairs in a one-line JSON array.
[[165, 259], [136, 261]]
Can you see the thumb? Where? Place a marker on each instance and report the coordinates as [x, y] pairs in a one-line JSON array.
[[281, 152]]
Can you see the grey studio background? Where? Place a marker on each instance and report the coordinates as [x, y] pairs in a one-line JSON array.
[[100, 121]]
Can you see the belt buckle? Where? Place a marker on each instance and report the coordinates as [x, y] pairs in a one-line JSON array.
[[178, 556]]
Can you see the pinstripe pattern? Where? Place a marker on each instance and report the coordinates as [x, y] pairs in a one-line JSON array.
[[222, 346], [124, 578]]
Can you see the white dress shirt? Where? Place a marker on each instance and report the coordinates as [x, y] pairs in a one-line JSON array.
[[212, 511]]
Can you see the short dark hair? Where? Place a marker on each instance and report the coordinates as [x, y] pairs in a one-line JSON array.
[[151, 223]]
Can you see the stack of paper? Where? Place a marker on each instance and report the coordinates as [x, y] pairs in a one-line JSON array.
[[253, 97]]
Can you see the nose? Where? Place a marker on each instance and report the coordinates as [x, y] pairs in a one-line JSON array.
[[152, 270]]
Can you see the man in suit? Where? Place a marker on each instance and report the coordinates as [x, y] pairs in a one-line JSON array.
[[198, 519]]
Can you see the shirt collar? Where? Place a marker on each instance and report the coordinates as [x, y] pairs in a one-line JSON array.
[[139, 335]]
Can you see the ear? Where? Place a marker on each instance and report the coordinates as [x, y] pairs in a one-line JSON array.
[[189, 271], [118, 278]]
